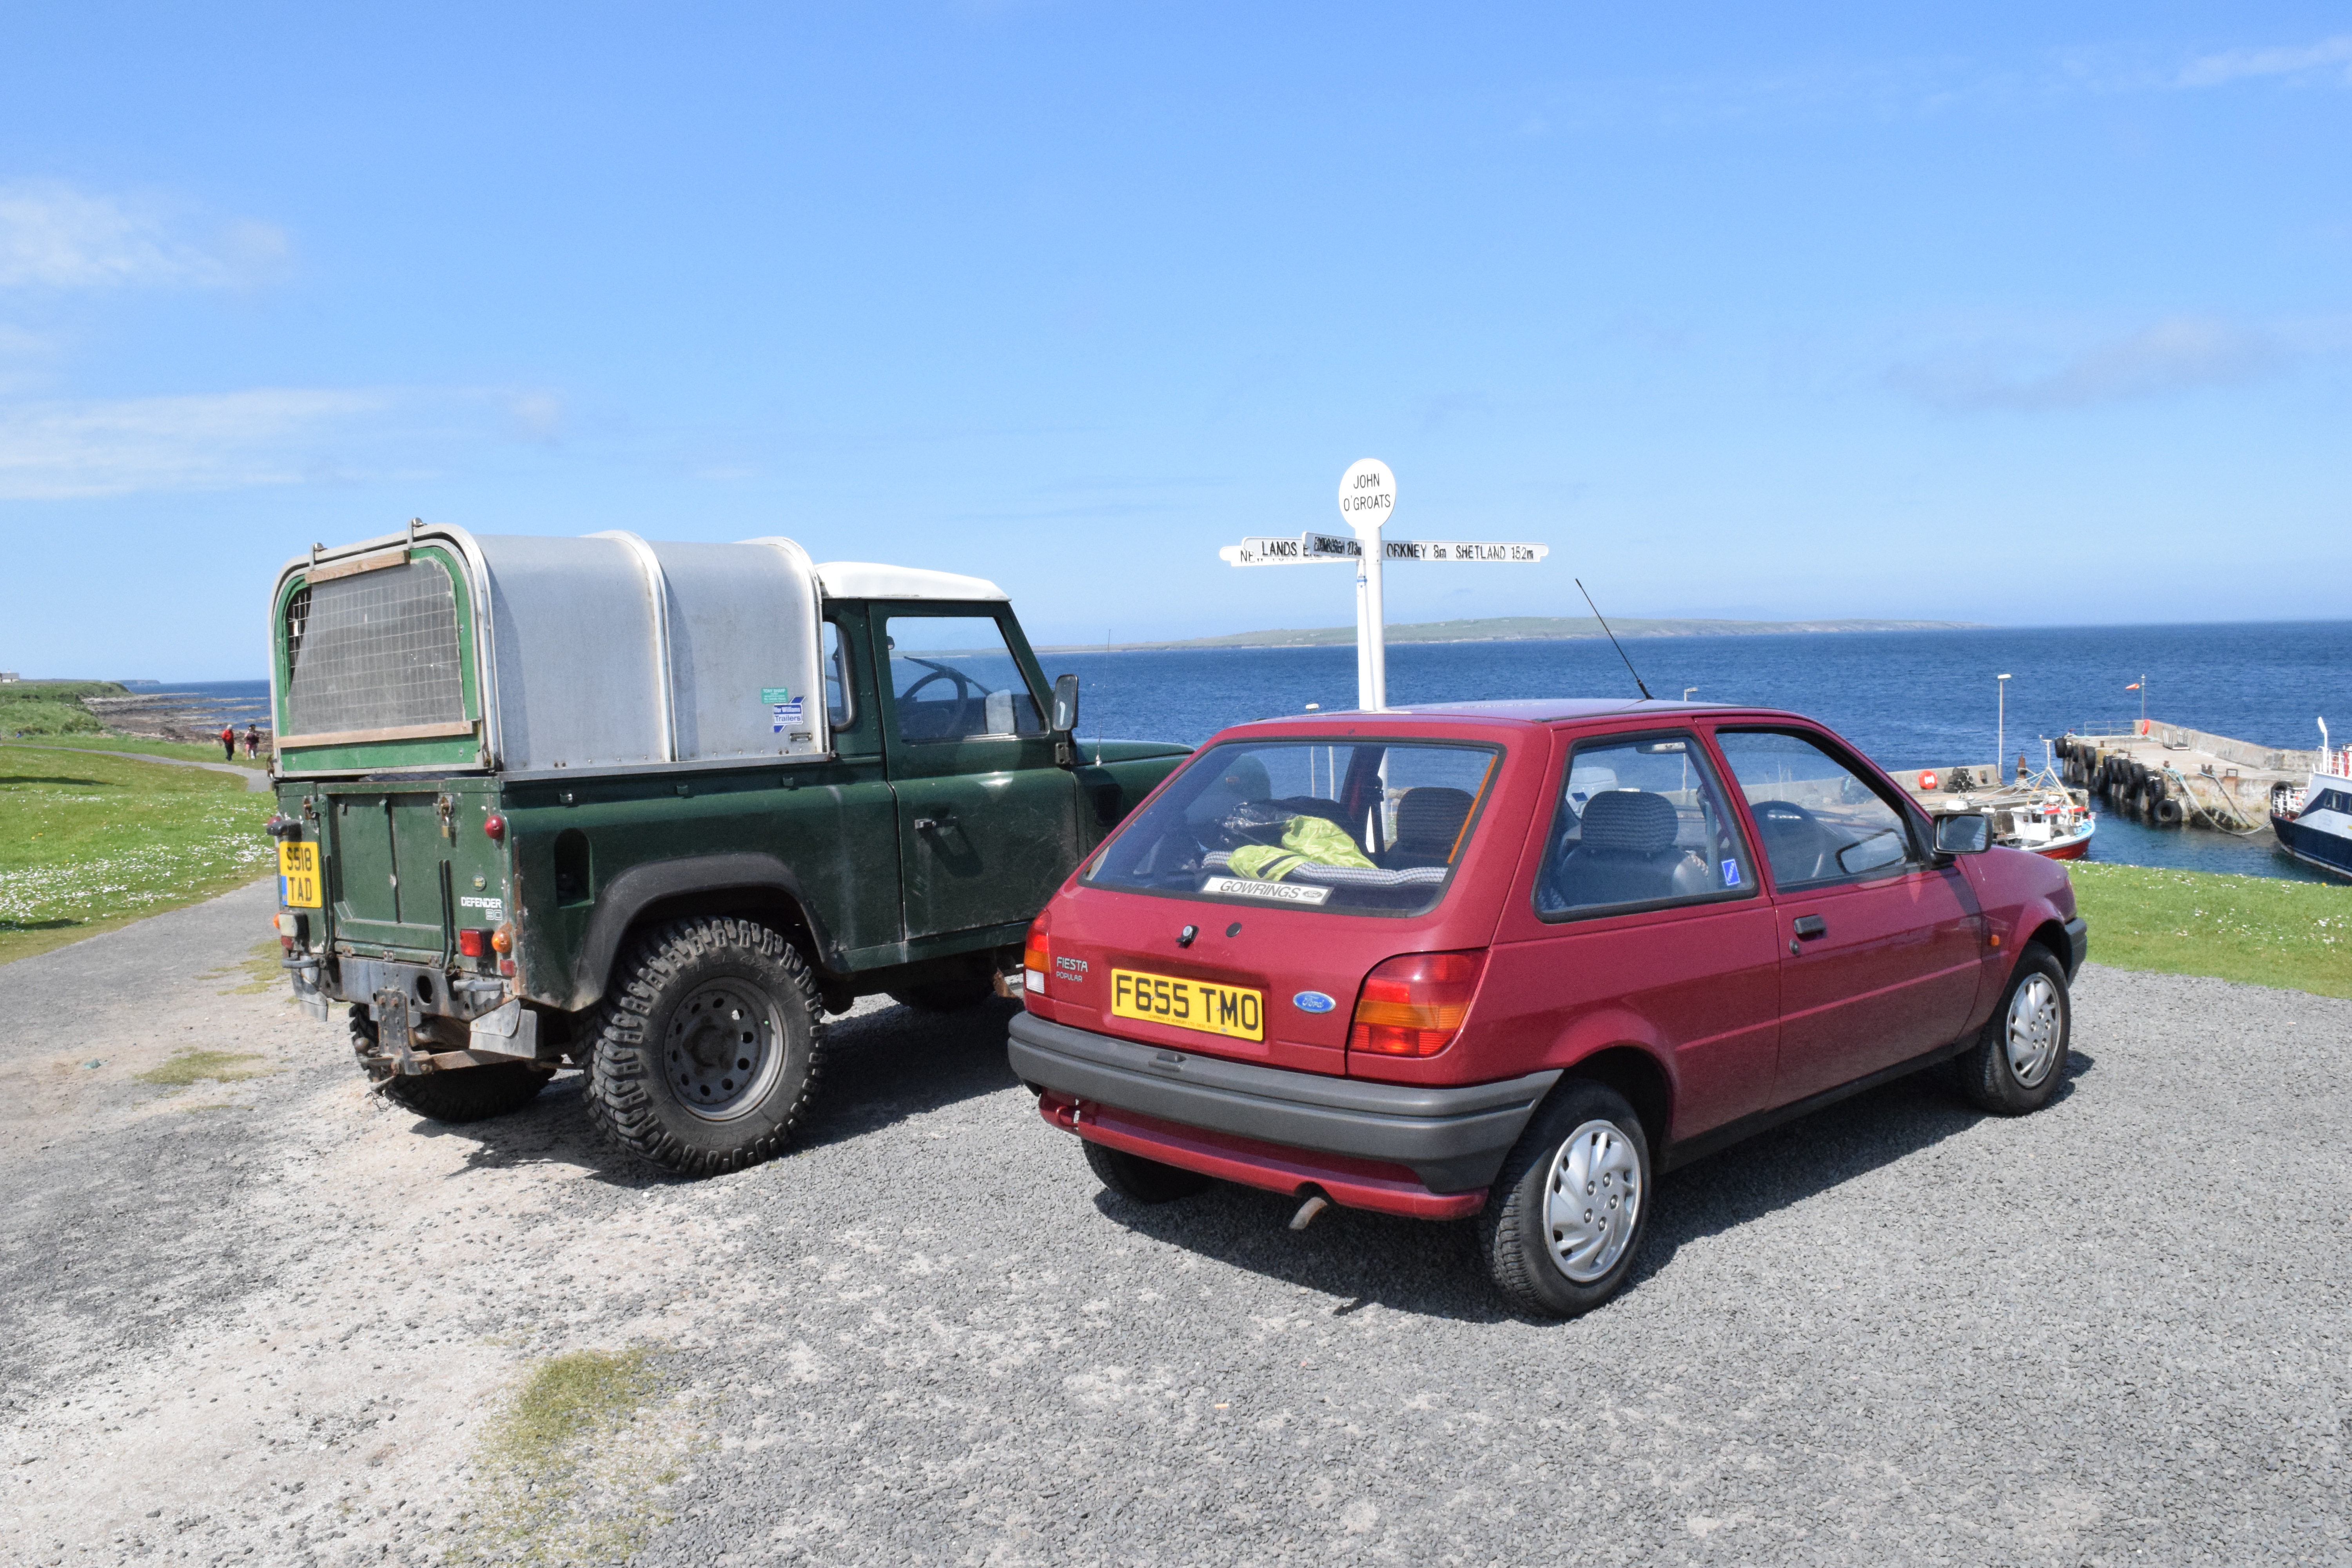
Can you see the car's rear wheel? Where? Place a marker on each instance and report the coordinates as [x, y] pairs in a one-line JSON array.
[[468, 1094], [1565, 1219], [2020, 1056], [707, 1049], [1143, 1181]]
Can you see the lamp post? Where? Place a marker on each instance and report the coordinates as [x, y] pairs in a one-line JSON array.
[[2000, 726]]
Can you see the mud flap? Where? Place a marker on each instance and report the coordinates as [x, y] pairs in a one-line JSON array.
[[392, 1030], [508, 1031]]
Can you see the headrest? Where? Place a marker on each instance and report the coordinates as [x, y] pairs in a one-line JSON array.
[[1432, 815], [1630, 820]]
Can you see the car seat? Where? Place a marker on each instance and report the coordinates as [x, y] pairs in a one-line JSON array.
[[1627, 856], [1428, 822]]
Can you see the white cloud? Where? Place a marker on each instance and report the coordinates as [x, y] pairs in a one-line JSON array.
[[57, 449], [2236, 65], [272, 436], [55, 236], [2179, 353]]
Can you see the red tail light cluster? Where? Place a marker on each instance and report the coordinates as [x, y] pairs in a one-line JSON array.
[[1413, 1005], [474, 944], [1036, 956]]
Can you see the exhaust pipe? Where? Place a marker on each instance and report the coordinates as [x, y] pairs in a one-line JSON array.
[[1315, 1204]]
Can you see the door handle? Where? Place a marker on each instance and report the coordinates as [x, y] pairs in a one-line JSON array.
[[926, 824], [1806, 929]]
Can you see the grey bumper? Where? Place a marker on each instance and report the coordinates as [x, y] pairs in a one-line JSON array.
[[1452, 1139], [2078, 944]]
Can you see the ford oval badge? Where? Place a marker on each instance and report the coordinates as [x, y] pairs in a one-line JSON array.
[[1313, 1002]]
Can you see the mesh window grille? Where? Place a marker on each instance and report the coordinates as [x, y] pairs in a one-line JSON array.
[[374, 652]]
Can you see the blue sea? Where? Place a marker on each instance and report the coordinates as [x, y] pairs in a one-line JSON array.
[[1910, 700]]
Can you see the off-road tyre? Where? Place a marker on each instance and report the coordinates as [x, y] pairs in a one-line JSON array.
[[467, 1094], [1989, 1070], [1514, 1233], [648, 1045], [1140, 1180]]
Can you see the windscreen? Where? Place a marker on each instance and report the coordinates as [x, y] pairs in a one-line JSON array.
[[1363, 827]]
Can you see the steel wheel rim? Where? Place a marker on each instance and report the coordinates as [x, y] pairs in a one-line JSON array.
[[723, 1049], [1592, 1201], [2032, 1030]]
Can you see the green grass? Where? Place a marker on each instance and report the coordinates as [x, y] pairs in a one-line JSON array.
[[2296, 936], [186, 750], [568, 1472], [53, 707], [88, 843], [194, 1066]]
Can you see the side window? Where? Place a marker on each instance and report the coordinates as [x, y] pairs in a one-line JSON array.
[[1819, 821], [836, 657], [1641, 821], [953, 676]]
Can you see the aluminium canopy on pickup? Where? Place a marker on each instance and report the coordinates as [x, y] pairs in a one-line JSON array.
[[441, 649]]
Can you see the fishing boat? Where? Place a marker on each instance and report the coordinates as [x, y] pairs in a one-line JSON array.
[[2038, 813], [2313, 824]]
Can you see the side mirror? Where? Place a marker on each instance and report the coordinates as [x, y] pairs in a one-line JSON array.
[[1065, 704], [1969, 834]]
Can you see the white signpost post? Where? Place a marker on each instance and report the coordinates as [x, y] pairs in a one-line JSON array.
[[1367, 500]]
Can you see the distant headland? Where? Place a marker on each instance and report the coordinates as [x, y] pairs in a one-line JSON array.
[[1524, 629]]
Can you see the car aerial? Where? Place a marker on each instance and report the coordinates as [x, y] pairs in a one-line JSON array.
[[1509, 960]]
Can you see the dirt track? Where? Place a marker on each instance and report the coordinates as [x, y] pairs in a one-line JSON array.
[[2115, 1332]]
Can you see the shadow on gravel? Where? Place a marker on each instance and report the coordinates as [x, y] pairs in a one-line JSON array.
[[1374, 1259], [885, 1066], [1412, 1266], [1775, 1170], [881, 1068]]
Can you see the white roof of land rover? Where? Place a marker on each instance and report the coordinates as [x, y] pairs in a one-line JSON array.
[[867, 580]]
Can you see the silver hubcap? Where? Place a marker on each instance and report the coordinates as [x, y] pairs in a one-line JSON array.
[[2033, 1030], [1595, 1199], [724, 1049]]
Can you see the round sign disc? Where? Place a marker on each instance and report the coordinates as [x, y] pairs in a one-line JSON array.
[[1367, 494]]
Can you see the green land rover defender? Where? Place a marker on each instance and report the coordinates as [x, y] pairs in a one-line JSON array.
[[656, 809]]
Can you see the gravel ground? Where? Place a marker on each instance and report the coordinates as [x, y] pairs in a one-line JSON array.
[[282, 1332]]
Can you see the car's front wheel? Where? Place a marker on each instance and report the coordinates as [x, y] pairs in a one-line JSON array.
[[1565, 1219], [2020, 1056]]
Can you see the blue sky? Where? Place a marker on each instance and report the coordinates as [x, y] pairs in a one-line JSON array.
[[2020, 314]]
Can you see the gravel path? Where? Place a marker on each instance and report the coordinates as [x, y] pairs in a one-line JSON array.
[[2116, 1332]]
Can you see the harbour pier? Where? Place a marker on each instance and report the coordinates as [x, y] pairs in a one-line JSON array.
[[2170, 775]]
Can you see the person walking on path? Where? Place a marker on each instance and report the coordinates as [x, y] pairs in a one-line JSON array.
[[252, 742], [228, 742]]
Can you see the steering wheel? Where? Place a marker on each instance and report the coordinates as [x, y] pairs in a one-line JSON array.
[[955, 729], [1775, 818]]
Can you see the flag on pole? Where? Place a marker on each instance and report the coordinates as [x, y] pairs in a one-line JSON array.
[[2133, 687]]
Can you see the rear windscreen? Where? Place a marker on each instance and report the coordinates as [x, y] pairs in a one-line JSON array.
[[1368, 826], [374, 651]]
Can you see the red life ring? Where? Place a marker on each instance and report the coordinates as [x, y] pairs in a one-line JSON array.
[[1926, 782]]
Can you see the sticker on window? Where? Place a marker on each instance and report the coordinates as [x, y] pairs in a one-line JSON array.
[[1276, 892], [1731, 873]]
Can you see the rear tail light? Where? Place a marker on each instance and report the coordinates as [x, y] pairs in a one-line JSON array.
[[474, 944], [1036, 955], [502, 939], [1413, 1005]]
